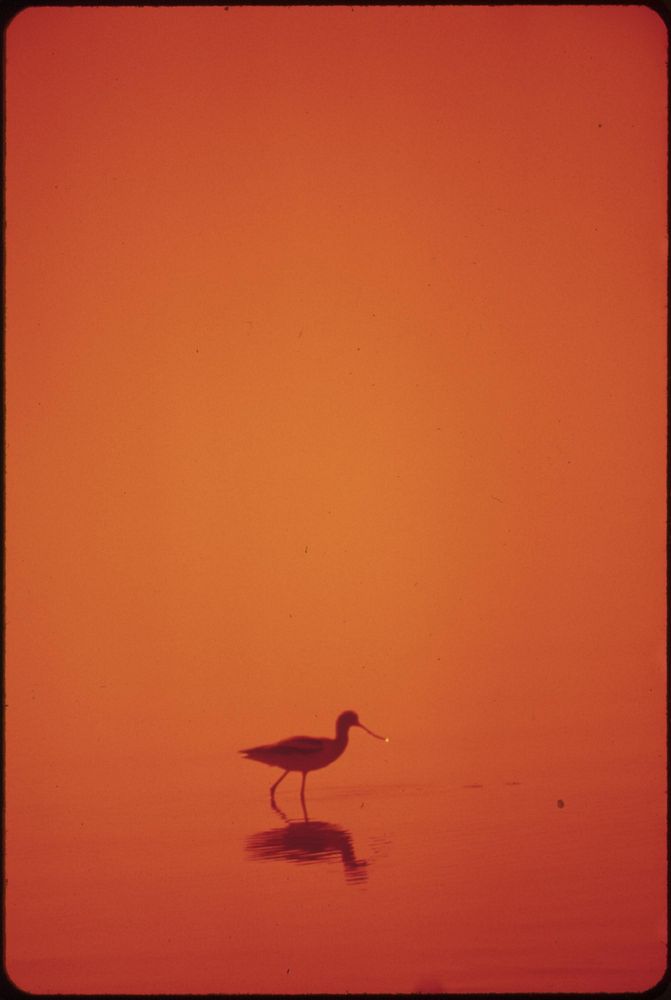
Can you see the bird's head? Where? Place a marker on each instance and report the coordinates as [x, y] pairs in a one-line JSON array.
[[349, 718]]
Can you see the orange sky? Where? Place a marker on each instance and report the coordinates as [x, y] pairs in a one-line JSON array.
[[335, 377]]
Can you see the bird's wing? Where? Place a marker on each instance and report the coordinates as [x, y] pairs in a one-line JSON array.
[[302, 743], [295, 744]]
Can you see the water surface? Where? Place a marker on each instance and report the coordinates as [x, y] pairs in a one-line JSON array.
[[392, 887]]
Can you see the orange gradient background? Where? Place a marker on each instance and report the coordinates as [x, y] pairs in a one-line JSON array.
[[335, 378]]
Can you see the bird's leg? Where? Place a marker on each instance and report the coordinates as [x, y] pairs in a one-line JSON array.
[[273, 787], [274, 805], [305, 774]]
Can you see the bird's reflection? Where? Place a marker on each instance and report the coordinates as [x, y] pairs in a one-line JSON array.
[[307, 842]]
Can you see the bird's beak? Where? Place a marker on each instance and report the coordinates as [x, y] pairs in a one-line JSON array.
[[361, 726]]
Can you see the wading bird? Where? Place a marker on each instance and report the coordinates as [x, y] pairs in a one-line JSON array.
[[307, 753]]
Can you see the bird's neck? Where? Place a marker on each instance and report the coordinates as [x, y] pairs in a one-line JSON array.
[[342, 735]]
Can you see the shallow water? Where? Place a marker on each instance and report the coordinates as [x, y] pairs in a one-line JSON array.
[[389, 887]]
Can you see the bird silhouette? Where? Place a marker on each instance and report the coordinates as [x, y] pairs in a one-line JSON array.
[[307, 753]]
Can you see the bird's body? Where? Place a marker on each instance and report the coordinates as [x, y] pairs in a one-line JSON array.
[[298, 753], [306, 753]]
